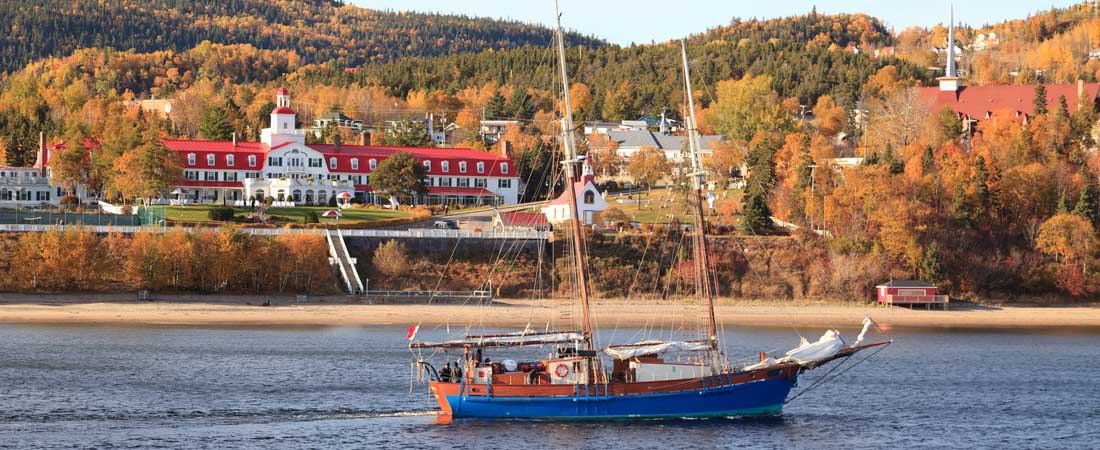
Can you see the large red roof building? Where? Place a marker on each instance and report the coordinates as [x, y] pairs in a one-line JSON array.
[[284, 167]]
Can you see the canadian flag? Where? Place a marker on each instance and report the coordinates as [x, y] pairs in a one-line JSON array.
[[412, 332]]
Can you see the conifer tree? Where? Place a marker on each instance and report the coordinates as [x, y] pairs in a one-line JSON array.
[[928, 160], [1040, 101], [215, 125], [494, 108]]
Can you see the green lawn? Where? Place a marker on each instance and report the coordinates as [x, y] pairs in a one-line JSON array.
[[200, 213], [660, 205]]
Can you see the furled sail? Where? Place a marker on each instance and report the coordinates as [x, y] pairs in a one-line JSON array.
[[829, 345], [518, 339], [653, 347]]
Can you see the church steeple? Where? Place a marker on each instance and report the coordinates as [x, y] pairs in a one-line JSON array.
[[950, 80]]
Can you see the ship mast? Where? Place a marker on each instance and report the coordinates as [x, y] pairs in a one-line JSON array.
[[698, 177], [580, 253]]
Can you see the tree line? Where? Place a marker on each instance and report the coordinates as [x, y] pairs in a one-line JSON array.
[[208, 261]]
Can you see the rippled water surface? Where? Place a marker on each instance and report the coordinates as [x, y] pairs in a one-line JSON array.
[[160, 387]]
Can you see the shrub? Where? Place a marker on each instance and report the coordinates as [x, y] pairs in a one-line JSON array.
[[391, 258], [269, 200], [311, 217], [221, 214], [70, 200], [332, 201]]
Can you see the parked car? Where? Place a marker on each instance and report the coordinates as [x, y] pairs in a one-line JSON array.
[[445, 224]]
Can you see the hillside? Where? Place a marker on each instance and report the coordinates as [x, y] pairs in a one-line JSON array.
[[317, 30]]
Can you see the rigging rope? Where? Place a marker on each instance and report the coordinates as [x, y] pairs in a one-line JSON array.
[[826, 378]]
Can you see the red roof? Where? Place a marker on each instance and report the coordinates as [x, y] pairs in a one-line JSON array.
[[282, 91], [578, 186], [220, 150], [211, 184], [283, 110], [981, 102], [494, 164], [524, 219], [437, 190]]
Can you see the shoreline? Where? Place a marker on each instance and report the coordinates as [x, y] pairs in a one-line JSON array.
[[198, 310]]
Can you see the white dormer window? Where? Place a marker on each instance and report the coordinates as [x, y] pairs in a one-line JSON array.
[[462, 166], [210, 159], [190, 159], [251, 160], [355, 163], [332, 162], [480, 167], [427, 165], [373, 163], [229, 160], [503, 167], [446, 166]]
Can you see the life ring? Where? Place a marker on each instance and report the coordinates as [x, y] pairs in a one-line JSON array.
[[562, 370]]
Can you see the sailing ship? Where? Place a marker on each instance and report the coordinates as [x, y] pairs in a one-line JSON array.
[[574, 381]]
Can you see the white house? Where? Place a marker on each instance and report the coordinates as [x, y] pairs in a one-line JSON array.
[[33, 186], [589, 200]]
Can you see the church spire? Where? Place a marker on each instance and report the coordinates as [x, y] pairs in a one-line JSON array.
[[950, 81], [951, 70]]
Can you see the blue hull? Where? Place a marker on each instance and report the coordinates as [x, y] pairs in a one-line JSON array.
[[745, 399]]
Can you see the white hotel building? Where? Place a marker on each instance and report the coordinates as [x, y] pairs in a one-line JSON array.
[[282, 166]]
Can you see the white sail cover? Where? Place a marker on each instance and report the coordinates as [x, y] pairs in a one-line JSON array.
[[508, 340], [829, 345], [653, 348]]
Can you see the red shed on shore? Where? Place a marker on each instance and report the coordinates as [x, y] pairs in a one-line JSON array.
[[910, 292]]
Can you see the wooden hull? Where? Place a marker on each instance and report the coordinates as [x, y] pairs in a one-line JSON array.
[[737, 394]]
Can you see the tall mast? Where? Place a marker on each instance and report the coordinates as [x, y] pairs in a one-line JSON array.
[[698, 177], [580, 253]]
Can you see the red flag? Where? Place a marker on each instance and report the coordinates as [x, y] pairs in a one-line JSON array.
[[412, 332]]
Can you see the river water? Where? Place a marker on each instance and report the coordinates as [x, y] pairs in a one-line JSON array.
[[348, 387]]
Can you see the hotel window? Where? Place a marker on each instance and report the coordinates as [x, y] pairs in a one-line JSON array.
[[332, 163], [211, 176], [373, 163], [229, 176], [251, 160], [355, 164], [427, 165], [589, 198], [190, 159], [445, 182], [463, 182], [462, 166], [316, 162], [210, 159], [191, 175], [480, 167], [504, 184], [480, 182], [229, 160], [446, 166], [275, 161], [504, 167]]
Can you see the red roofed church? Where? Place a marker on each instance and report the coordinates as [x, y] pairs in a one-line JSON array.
[[974, 104]]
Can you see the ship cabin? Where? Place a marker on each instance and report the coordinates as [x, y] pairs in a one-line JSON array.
[[911, 292], [569, 365]]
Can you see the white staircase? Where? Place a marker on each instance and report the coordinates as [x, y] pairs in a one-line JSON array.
[[339, 256]]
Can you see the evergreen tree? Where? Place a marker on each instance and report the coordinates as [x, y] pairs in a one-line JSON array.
[[871, 159], [931, 264], [1084, 207], [928, 160], [215, 125], [1063, 107], [756, 219], [1040, 101], [981, 179], [520, 106], [494, 109], [890, 160], [1062, 208]]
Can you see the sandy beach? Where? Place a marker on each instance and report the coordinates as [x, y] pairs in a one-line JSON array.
[[245, 311]]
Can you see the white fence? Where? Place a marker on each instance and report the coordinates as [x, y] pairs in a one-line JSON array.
[[416, 233]]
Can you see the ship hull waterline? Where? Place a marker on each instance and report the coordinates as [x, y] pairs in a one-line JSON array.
[[754, 398]]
